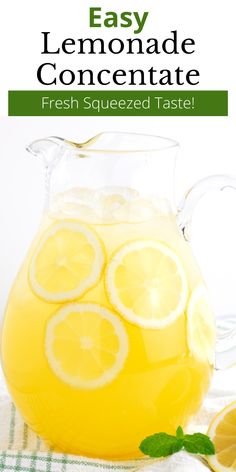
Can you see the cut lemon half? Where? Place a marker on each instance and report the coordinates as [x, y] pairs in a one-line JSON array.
[[222, 432], [146, 283], [201, 326], [86, 345], [68, 261]]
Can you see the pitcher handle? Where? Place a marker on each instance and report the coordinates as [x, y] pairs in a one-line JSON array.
[[226, 336]]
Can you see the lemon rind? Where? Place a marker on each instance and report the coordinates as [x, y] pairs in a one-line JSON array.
[[127, 313], [110, 374], [202, 355], [88, 283], [212, 460]]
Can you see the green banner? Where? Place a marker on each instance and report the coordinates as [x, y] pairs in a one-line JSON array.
[[117, 103]]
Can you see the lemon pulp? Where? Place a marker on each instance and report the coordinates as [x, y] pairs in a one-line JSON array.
[[201, 325], [222, 431], [147, 284], [67, 262], [86, 345]]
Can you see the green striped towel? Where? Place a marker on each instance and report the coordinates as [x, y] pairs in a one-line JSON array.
[[22, 450]]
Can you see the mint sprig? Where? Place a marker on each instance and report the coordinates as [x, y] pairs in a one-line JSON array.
[[163, 444]]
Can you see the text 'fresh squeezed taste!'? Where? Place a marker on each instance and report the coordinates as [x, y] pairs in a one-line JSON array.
[[100, 105]]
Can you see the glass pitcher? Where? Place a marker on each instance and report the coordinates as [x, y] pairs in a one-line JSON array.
[[109, 335]]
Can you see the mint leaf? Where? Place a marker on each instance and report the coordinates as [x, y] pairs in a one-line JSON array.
[[161, 445], [198, 443], [179, 432]]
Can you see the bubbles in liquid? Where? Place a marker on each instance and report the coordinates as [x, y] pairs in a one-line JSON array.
[[108, 205]]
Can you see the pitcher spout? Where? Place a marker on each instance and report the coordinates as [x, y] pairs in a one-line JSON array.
[[47, 149]]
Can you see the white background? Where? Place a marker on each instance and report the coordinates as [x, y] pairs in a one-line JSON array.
[[207, 144]]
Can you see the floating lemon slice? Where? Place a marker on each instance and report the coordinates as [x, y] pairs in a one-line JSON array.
[[201, 326], [68, 261], [147, 284], [222, 431], [86, 345]]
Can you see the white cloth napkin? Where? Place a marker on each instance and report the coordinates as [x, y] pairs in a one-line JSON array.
[[23, 451]]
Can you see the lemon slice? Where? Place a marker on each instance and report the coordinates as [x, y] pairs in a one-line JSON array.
[[201, 326], [68, 261], [147, 284], [86, 345], [222, 431]]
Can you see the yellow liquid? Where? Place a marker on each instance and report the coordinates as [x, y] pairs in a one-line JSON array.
[[159, 388]]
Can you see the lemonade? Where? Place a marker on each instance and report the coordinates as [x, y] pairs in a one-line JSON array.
[[108, 335]]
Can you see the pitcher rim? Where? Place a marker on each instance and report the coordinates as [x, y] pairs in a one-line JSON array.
[[167, 143]]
